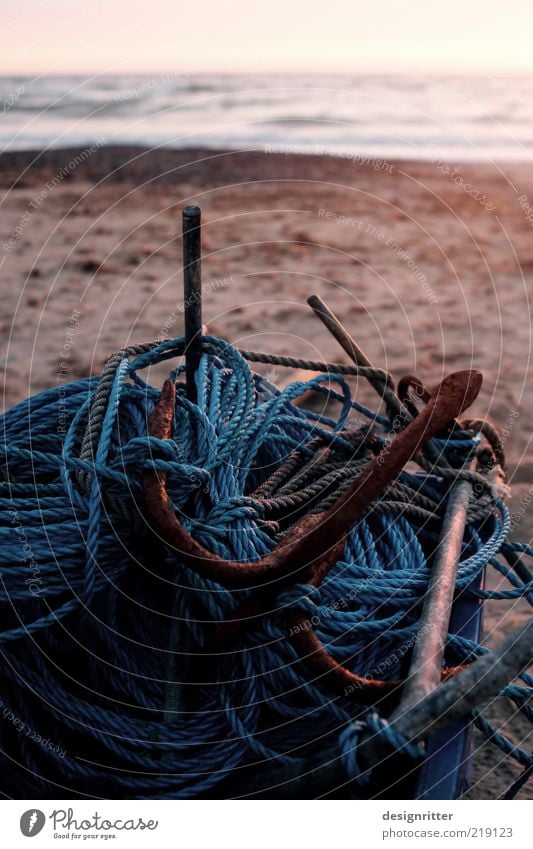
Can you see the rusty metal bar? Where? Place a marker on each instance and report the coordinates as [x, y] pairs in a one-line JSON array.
[[350, 346], [339, 332], [192, 294], [425, 669], [479, 682], [401, 412]]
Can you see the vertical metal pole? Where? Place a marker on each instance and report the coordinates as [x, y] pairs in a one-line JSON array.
[[425, 670], [192, 293], [177, 695]]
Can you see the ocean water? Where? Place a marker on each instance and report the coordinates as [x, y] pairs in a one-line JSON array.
[[459, 118]]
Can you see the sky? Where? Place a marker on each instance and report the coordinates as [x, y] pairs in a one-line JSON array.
[[149, 36]]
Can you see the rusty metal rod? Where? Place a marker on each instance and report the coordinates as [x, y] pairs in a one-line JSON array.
[[428, 653], [479, 682], [337, 329], [350, 346], [400, 412], [192, 294]]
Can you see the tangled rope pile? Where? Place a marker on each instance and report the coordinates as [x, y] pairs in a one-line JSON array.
[[112, 685]]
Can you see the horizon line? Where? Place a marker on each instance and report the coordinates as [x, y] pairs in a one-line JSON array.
[[192, 72]]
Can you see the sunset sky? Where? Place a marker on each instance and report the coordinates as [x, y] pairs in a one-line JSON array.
[[60, 36]]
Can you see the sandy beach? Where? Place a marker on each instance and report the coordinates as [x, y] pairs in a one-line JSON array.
[[429, 265]]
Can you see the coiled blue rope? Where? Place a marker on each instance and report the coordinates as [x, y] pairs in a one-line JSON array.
[[89, 597]]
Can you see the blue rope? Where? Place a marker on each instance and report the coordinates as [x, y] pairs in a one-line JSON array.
[[88, 596]]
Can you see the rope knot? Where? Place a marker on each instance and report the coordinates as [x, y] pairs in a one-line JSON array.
[[375, 732]]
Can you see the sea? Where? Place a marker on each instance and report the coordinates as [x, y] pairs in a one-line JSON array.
[[463, 118]]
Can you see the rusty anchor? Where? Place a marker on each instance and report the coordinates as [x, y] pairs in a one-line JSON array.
[[309, 548]]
